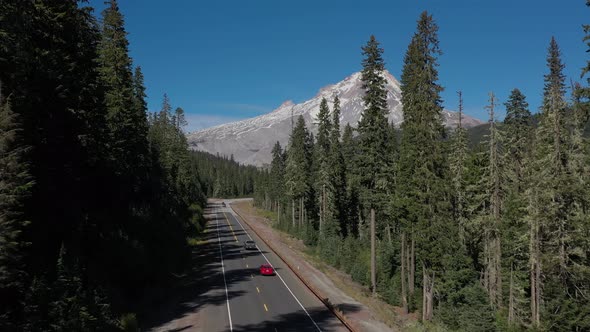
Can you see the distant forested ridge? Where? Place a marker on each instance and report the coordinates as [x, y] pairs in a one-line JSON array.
[[97, 199], [223, 177], [475, 231]]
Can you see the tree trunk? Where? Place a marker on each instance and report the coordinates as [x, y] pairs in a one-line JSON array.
[[279, 213], [535, 271], [324, 200], [389, 235], [321, 211], [427, 294], [424, 286], [538, 281], [403, 274], [293, 213], [373, 260], [412, 267], [498, 261], [511, 298], [300, 212], [360, 226]]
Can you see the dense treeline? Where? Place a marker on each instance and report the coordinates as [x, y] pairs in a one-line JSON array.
[[96, 200], [224, 177], [476, 237]]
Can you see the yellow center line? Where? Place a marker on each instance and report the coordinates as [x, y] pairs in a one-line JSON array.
[[258, 289], [265, 307], [230, 227]]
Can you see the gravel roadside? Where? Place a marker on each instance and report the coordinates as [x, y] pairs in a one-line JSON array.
[[369, 314]]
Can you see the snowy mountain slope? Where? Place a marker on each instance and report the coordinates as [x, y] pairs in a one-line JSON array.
[[251, 140]]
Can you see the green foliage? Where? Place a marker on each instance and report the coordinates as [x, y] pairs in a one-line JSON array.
[[468, 309], [298, 166], [336, 200], [77, 172], [485, 209], [371, 161], [224, 177], [15, 188], [129, 323]]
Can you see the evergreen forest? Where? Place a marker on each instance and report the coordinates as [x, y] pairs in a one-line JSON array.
[[98, 197], [101, 201], [485, 234]]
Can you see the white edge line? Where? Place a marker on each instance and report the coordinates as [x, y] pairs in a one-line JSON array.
[[284, 283], [231, 328]]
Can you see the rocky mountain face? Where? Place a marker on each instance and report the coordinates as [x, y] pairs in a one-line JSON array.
[[251, 140]]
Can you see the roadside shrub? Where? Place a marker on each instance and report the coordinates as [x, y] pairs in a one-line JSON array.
[[129, 323]]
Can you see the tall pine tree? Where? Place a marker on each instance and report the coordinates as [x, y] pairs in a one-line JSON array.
[[322, 160], [549, 204], [372, 160], [517, 135], [422, 193], [337, 190], [15, 188]]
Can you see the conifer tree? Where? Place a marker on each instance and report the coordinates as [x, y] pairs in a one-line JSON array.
[[140, 105], [492, 182], [337, 193], [458, 165], [15, 188], [298, 170], [422, 165], [548, 206], [125, 114], [277, 174], [372, 128], [517, 135], [322, 159], [349, 153], [348, 145]]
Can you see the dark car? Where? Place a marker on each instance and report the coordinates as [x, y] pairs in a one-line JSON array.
[[250, 245], [267, 270]]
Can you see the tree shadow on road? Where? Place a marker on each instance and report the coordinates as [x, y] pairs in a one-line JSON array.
[[203, 283], [298, 321]]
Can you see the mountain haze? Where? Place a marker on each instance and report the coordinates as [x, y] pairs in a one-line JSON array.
[[250, 141]]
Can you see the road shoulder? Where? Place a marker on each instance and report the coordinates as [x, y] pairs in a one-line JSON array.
[[324, 284]]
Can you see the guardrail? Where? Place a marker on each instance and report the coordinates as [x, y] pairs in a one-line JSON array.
[[326, 301]]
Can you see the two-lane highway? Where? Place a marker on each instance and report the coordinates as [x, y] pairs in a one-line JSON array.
[[262, 303]]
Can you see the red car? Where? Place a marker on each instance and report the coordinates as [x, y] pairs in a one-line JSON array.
[[266, 270]]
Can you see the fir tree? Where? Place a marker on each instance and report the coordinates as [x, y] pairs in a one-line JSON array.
[[322, 159], [337, 193], [277, 174], [349, 152], [372, 128], [548, 207], [517, 143], [15, 188], [422, 196], [298, 170], [491, 218], [458, 165], [140, 105], [126, 116]]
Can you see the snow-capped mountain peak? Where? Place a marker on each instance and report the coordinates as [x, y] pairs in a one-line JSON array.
[[251, 140]]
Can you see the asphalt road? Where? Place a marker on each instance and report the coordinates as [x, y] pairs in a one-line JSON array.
[[255, 302]]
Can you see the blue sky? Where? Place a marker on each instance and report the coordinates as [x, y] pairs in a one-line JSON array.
[[227, 60]]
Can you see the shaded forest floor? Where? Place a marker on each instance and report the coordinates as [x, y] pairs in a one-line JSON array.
[[337, 286]]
